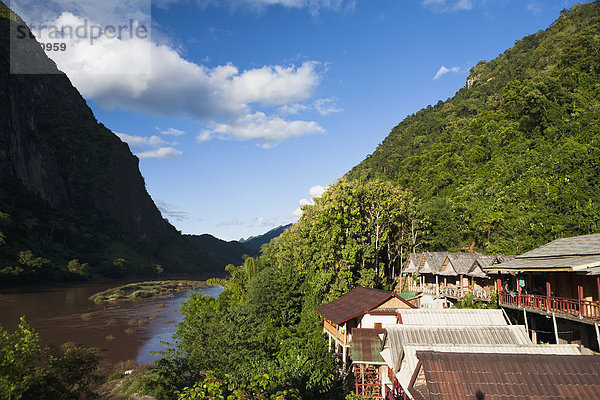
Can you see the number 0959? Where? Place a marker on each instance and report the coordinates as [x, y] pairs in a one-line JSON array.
[[54, 46]]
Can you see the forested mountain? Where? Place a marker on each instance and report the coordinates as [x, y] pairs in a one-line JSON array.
[[71, 190], [512, 160], [256, 242]]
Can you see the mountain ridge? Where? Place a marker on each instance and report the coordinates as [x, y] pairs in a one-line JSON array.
[[509, 160]]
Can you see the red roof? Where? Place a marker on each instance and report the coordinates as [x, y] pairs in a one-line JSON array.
[[356, 302], [474, 376]]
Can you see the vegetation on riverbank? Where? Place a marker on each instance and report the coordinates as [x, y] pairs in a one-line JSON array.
[[139, 290]]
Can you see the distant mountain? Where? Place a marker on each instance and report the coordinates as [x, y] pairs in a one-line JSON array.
[[256, 242], [220, 252], [511, 161], [71, 189]]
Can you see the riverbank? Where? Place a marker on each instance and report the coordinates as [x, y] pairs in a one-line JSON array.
[[140, 290]]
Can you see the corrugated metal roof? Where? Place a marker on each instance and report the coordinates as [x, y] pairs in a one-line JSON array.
[[585, 245], [366, 345], [474, 376], [409, 361], [452, 317], [354, 303], [567, 263], [401, 335]]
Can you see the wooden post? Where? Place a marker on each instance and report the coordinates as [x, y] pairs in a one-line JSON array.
[[518, 290], [437, 286], [533, 332], [555, 327], [344, 352], [598, 286], [548, 294], [597, 335], [329, 342], [579, 298], [526, 324], [498, 286]]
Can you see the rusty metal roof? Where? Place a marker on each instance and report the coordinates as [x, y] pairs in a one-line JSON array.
[[354, 303], [492, 376], [409, 362], [365, 346]]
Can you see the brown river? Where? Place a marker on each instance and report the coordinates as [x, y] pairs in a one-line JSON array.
[[127, 331]]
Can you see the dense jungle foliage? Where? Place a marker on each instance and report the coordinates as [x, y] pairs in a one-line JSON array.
[[513, 159]]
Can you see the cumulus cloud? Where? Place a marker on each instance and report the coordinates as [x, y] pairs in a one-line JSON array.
[[443, 71], [170, 211], [163, 153], [327, 106], [442, 6], [315, 192], [140, 142], [172, 132], [270, 130], [138, 74], [150, 146]]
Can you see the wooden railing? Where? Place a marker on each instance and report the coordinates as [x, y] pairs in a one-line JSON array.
[[342, 337], [450, 291], [580, 308]]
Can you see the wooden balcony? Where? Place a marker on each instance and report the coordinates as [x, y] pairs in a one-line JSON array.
[[569, 307], [454, 291], [340, 334]]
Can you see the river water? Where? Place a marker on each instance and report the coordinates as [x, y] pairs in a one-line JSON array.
[[128, 331]]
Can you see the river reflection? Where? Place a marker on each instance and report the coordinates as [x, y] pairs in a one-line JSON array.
[[124, 332]]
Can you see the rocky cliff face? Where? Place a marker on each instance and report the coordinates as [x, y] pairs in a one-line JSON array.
[[58, 163]]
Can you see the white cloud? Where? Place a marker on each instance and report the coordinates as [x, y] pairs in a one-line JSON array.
[[163, 153], [262, 221], [442, 6], [314, 7], [315, 192], [171, 212], [139, 142], [141, 75], [533, 7], [232, 222], [443, 71], [258, 126], [173, 132], [327, 106], [150, 146]]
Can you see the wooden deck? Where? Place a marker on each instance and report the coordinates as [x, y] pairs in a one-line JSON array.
[[336, 332], [582, 309]]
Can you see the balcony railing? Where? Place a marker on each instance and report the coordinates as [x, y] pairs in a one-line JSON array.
[[336, 331], [579, 308], [454, 291]]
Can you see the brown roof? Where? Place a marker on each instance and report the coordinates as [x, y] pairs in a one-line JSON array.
[[474, 376], [354, 303]]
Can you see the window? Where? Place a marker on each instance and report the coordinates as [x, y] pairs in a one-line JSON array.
[[377, 325]]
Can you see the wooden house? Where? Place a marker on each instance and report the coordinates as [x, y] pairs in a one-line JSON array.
[[561, 280], [349, 311]]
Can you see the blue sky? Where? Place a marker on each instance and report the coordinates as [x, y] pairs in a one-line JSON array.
[[247, 108]]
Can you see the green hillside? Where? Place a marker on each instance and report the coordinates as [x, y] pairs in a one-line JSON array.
[[512, 160]]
